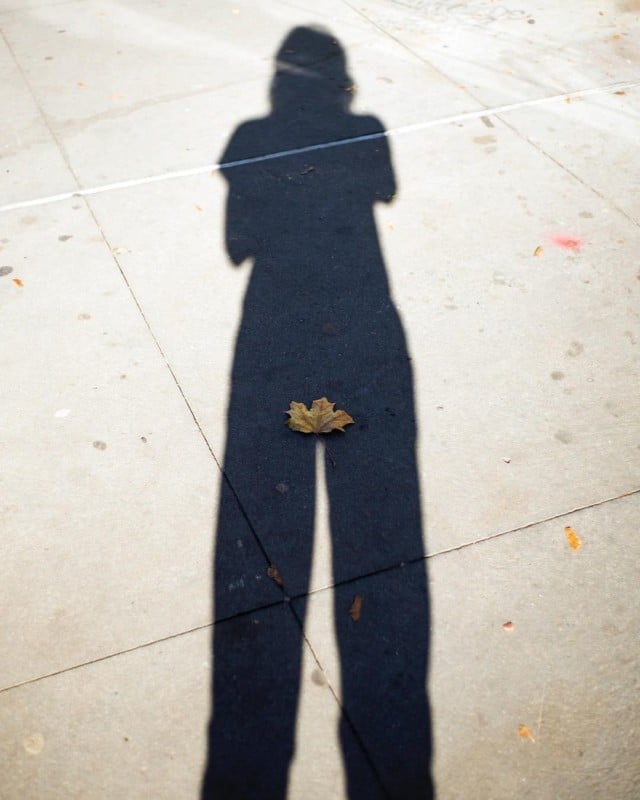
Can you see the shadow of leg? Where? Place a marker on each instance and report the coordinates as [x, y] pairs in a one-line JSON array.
[[256, 683], [257, 654], [376, 525]]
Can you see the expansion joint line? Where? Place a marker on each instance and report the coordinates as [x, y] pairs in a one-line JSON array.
[[258, 159]]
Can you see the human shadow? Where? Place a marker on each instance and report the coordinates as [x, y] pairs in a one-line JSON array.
[[318, 320]]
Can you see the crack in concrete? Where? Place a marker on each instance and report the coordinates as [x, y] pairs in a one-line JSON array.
[[289, 600]]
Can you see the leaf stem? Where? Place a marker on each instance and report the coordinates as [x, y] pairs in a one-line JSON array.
[[328, 452]]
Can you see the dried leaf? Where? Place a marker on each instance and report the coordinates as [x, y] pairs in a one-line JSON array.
[[356, 608], [275, 576], [574, 540], [525, 733], [19, 283], [620, 93], [321, 418], [538, 251], [81, 85], [508, 626], [198, 207]]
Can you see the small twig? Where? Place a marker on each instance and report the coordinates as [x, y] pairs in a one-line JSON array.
[[544, 691]]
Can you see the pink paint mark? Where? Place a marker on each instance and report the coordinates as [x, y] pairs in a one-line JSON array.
[[566, 241]]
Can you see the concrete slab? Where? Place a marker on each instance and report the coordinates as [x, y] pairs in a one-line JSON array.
[[110, 62], [533, 665], [170, 243], [144, 711], [595, 138], [30, 162], [9, 6], [511, 51], [109, 490], [171, 83], [522, 341], [147, 711]]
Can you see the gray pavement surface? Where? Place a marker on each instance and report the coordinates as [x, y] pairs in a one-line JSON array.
[[450, 253]]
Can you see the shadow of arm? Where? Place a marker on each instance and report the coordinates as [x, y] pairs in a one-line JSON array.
[[240, 243]]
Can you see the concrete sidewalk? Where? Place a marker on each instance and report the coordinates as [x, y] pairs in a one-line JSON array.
[[511, 248]]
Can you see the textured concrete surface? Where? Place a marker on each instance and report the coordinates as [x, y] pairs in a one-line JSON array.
[[527, 631], [508, 246]]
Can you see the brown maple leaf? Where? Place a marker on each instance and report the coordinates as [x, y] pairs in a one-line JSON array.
[[274, 573], [356, 608], [321, 418]]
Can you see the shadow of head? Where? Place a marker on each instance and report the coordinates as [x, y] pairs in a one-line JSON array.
[[311, 71]]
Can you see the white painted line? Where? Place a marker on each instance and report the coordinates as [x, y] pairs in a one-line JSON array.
[[417, 126]]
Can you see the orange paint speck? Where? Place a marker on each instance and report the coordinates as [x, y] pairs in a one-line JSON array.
[[524, 732], [575, 542]]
